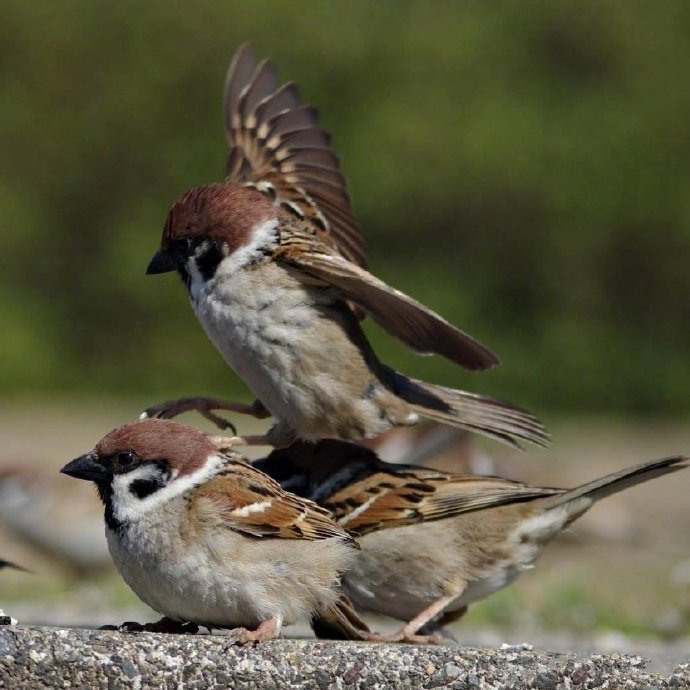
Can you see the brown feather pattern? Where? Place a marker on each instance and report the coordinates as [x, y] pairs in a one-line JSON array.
[[417, 326], [366, 494], [394, 497], [277, 146], [248, 501]]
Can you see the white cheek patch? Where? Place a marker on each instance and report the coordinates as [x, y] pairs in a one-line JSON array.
[[197, 282], [128, 507], [264, 236]]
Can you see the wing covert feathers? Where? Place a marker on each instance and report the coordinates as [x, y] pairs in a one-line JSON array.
[[404, 495], [244, 499], [410, 321]]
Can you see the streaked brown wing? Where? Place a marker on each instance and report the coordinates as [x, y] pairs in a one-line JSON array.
[[246, 500], [277, 145], [407, 319], [410, 495]]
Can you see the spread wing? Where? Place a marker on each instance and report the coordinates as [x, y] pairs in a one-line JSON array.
[[243, 499], [277, 146], [407, 495], [408, 320]]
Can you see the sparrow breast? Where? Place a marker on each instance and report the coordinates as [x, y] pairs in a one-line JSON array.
[[298, 348], [223, 579]]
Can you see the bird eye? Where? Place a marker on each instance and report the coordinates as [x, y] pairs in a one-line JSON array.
[[124, 460], [182, 245]]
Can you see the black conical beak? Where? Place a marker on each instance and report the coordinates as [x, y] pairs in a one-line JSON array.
[[85, 467], [162, 262]]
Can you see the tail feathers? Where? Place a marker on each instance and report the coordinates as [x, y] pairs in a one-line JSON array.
[[341, 622], [618, 481], [481, 414]]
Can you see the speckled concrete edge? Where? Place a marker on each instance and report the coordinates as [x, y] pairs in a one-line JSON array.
[[37, 657]]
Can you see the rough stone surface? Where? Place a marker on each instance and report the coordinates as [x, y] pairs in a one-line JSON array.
[[34, 657]]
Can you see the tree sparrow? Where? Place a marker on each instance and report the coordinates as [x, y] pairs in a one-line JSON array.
[[203, 537], [432, 542], [274, 266]]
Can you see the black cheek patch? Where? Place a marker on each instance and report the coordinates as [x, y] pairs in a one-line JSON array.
[[208, 261], [141, 488]]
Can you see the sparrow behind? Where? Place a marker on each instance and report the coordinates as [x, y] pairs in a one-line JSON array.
[[432, 542], [58, 518], [274, 266], [203, 537]]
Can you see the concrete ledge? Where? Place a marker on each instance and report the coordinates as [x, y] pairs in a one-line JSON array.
[[36, 657]]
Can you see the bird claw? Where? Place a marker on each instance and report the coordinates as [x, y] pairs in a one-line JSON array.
[[164, 625], [205, 407], [219, 421], [267, 630]]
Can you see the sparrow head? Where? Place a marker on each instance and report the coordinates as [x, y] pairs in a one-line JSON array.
[[209, 224], [140, 465]]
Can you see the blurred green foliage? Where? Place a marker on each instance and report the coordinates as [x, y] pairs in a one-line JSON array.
[[523, 168]]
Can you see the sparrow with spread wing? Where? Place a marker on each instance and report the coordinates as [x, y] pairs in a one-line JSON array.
[[274, 266]]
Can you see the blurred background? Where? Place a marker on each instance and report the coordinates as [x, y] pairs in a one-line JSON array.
[[522, 169]]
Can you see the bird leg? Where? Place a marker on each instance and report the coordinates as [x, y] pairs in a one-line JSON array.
[[439, 625], [205, 407], [409, 632], [450, 617], [280, 435], [267, 630]]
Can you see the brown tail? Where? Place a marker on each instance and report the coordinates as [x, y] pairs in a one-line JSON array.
[[340, 623], [613, 483], [481, 414]]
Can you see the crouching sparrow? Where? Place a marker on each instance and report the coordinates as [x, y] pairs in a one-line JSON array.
[[203, 537], [274, 266], [431, 542]]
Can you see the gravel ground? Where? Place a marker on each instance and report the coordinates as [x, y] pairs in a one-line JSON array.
[[35, 657]]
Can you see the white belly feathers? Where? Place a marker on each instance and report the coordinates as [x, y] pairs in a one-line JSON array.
[[262, 330]]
